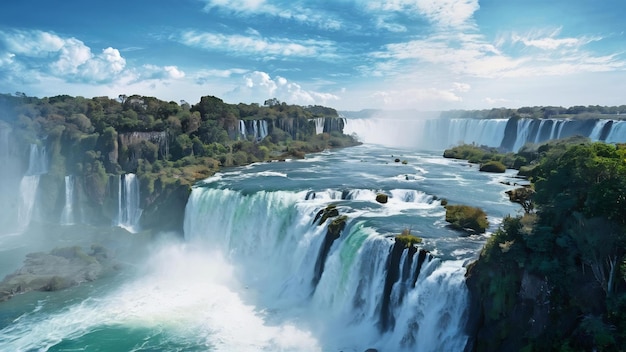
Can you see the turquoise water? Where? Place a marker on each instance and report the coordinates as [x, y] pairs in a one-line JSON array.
[[241, 280]]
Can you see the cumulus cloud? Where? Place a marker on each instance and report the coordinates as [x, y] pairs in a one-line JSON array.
[[31, 43], [36, 56], [69, 58], [258, 86]]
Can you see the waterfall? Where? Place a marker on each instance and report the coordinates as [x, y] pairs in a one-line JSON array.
[[38, 160], [260, 130], [508, 134], [67, 215], [257, 128], [242, 128], [319, 125], [428, 134], [37, 166], [617, 134], [370, 293], [128, 203]]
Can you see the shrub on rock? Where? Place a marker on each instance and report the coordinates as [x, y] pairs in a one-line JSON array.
[[467, 218], [493, 166], [408, 239]]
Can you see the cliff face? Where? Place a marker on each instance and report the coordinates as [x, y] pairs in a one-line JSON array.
[[555, 279], [509, 307]]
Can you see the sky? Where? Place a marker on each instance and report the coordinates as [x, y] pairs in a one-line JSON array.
[[346, 54]]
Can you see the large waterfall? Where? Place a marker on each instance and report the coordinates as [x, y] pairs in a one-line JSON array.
[[128, 201], [370, 291], [37, 166], [509, 134]]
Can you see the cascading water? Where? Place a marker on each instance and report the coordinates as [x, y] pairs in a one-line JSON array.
[[257, 270], [509, 134], [274, 239], [256, 128], [37, 166], [67, 215], [128, 210], [427, 134], [319, 125], [242, 128]]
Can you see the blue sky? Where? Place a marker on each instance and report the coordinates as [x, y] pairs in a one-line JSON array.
[[347, 54]]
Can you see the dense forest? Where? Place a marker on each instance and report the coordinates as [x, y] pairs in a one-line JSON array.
[[168, 145], [554, 278], [543, 112]]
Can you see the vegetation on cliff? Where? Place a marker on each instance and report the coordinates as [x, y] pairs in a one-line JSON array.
[[555, 279], [168, 145]]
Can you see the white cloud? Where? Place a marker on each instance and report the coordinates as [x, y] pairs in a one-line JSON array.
[[72, 54], [442, 13], [148, 72], [236, 5], [291, 11], [31, 43], [448, 13], [470, 55], [549, 40], [258, 86], [38, 53], [6, 59], [265, 48]]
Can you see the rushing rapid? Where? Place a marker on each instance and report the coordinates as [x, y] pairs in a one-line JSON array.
[[257, 271]]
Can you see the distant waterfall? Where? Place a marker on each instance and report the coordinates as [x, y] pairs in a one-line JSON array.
[[508, 134], [369, 292], [256, 128], [242, 128], [67, 216], [431, 134], [37, 166], [319, 125], [128, 209]]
